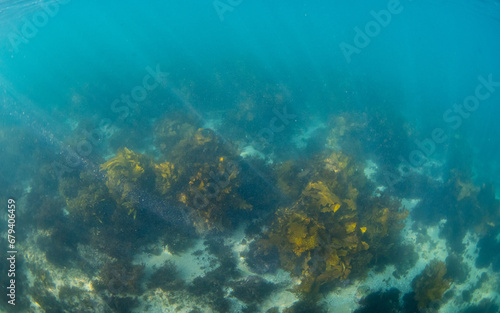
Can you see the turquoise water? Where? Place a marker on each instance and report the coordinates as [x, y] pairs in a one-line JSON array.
[[228, 105]]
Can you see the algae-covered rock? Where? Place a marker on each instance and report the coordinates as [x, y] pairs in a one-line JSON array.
[[431, 284]]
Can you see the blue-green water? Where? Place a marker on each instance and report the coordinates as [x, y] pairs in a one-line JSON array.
[[228, 105]]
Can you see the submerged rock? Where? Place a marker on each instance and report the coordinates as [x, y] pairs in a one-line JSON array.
[[262, 260]]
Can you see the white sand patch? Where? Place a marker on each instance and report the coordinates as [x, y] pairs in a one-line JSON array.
[[282, 298], [157, 300], [371, 169], [409, 204], [188, 265], [40, 271], [300, 141], [212, 123], [488, 290], [250, 152]]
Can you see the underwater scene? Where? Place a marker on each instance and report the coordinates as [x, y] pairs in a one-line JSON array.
[[237, 156]]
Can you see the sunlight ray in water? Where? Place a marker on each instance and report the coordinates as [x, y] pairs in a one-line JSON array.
[[238, 156]]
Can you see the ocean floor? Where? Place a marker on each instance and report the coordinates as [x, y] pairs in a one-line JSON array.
[[74, 285], [192, 264]]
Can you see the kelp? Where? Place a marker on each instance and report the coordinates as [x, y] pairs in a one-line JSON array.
[[202, 173], [212, 191], [165, 176], [173, 129], [322, 238], [87, 198], [126, 172], [431, 284]]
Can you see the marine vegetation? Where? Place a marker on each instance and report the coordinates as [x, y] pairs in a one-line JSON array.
[[195, 184], [388, 301], [120, 278], [262, 257], [166, 277], [125, 204], [431, 284], [208, 178], [334, 230], [125, 173], [119, 283], [471, 204], [306, 306], [381, 302], [478, 206], [88, 200], [173, 129], [488, 248], [323, 238], [291, 177], [485, 306], [252, 289], [210, 288]]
